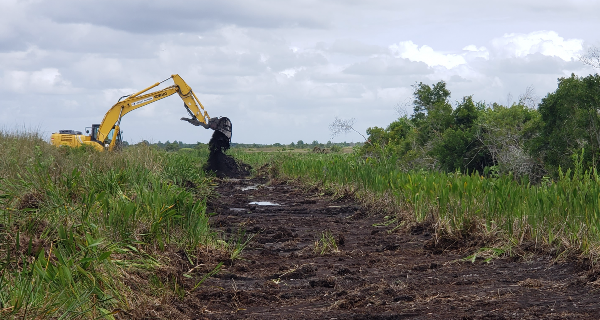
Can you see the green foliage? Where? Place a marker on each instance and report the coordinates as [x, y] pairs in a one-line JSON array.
[[326, 243], [472, 136], [507, 133], [427, 99], [173, 146], [435, 136], [378, 138], [571, 122], [74, 222], [432, 111], [451, 150], [73, 278], [335, 148], [567, 209], [467, 113], [459, 148]]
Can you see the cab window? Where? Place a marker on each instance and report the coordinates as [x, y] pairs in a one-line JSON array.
[[109, 137]]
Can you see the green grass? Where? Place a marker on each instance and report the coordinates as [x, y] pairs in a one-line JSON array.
[[563, 213], [326, 244], [75, 222]]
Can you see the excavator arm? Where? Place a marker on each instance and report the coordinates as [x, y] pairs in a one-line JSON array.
[[192, 104]]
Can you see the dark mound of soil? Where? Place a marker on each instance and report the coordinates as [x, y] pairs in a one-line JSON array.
[[220, 163], [30, 201]]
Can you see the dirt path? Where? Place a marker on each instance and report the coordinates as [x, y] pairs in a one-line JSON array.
[[375, 275]]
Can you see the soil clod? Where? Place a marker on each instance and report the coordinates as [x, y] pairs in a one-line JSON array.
[[223, 165], [30, 201]]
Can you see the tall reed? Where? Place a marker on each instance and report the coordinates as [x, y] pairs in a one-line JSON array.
[[73, 221], [564, 211]]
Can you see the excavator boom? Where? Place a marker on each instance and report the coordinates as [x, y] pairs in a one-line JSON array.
[[107, 133]]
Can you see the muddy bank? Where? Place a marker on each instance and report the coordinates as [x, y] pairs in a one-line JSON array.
[[368, 271]]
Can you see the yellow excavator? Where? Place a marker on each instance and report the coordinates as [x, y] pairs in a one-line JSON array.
[[107, 135]]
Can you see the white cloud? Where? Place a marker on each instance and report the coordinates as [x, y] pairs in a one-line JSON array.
[[280, 70], [548, 43], [411, 51], [472, 51], [291, 71], [46, 80]]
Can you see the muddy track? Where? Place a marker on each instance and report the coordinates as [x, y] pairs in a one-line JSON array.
[[375, 274]]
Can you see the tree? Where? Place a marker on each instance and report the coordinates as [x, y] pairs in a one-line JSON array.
[[466, 113], [411, 139], [173, 146], [300, 144], [571, 122], [529, 99], [378, 140], [592, 57], [468, 138], [343, 126], [452, 148], [458, 147], [399, 137], [428, 98], [432, 111], [506, 133]]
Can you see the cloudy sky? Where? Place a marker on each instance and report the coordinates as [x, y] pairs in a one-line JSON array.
[[281, 70]]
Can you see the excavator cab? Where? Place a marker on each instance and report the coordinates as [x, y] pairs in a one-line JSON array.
[[112, 136], [109, 138], [94, 133]]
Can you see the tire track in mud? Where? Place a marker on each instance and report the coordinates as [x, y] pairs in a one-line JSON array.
[[375, 274]]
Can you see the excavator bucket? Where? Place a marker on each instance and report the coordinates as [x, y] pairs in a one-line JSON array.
[[224, 126]]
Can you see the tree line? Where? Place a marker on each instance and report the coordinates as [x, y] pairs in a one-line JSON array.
[[527, 139], [178, 145]]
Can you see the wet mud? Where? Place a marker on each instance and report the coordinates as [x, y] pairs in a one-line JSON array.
[[221, 164], [375, 272]]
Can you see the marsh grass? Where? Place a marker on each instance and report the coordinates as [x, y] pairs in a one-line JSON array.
[[562, 213], [326, 243], [75, 222]]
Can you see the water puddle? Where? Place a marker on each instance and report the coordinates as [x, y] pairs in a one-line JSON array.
[[238, 209], [255, 187], [264, 203]]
